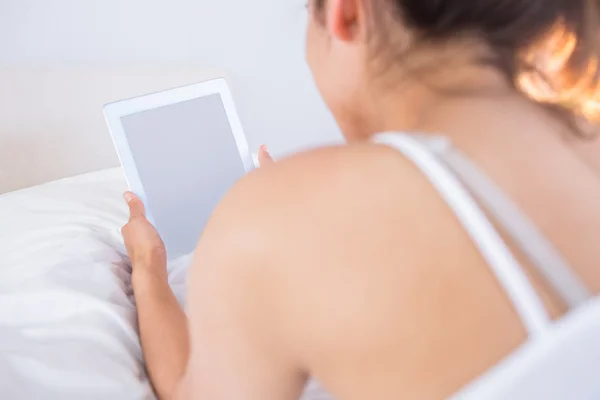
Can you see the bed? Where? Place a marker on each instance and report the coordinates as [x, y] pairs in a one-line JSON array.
[[67, 314]]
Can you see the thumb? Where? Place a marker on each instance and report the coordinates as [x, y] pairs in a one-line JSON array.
[[264, 158], [136, 207]]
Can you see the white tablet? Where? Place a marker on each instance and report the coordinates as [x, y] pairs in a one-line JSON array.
[[181, 150]]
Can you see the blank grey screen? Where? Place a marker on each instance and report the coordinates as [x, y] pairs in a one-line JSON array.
[[187, 159]]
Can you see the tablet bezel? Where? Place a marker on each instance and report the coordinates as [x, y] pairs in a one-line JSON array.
[[113, 113]]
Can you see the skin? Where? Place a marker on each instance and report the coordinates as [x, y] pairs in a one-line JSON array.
[[343, 263]]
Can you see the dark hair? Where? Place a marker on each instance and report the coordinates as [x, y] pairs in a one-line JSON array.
[[548, 49]]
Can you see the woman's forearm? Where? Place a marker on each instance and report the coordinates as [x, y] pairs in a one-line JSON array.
[[163, 333]]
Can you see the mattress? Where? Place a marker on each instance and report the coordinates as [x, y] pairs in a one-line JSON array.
[[67, 314]]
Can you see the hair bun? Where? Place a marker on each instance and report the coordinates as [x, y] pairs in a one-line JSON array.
[[562, 69]]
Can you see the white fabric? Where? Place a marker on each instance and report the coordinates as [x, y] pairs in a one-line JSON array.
[[67, 317], [562, 365]]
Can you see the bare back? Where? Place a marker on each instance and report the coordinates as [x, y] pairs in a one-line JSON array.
[[426, 315], [362, 276]]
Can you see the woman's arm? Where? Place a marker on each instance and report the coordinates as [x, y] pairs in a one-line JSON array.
[[162, 322], [163, 333]]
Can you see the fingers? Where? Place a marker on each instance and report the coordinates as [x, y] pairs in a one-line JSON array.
[[136, 207], [264, 158]]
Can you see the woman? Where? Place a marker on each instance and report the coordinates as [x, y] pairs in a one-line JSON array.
[[346, 264]]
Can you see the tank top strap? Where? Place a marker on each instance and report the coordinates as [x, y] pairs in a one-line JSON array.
[[482, 232], [548, 261]]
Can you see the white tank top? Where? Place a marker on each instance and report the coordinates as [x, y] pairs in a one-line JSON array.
[[561, 359]]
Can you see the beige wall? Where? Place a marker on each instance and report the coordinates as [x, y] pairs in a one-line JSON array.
[[51, 121], [260, 43]]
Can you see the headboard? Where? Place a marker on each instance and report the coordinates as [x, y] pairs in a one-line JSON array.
[[51, 122]]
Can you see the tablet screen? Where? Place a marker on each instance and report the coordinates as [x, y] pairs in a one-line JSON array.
[[187, 159]]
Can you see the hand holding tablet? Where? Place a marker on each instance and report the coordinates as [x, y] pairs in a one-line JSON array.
[[181, 151]]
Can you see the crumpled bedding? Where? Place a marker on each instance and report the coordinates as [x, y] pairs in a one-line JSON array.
[[68, 325], [67, 315]]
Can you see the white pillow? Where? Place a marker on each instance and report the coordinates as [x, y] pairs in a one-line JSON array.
[[68, 325]]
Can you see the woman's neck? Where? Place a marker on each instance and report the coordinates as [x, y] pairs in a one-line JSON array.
[[412, 106]]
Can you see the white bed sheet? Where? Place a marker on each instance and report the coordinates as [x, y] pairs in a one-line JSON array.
[[67, 315], [68, 325]]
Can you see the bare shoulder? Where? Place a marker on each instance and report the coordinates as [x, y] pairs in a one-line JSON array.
[[357, 194], [313, 198], [341, 177], [370, 271]]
